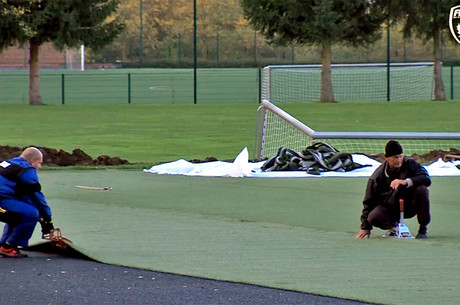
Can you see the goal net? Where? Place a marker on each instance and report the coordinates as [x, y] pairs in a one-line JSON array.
[[350, 82], [276, 128]]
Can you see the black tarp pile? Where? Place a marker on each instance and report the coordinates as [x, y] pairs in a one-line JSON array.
[[314, 159]]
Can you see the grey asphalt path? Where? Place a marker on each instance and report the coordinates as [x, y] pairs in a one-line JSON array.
[[46, 278]]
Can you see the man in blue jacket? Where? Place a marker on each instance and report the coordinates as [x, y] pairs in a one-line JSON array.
[[396, 178], [22, 204]]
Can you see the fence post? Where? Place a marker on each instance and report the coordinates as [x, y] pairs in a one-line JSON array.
[[62, 89], [255, 48], [179, 48], [217, 47], [141, 40], [194, 53], [129, 88], [260, 84]]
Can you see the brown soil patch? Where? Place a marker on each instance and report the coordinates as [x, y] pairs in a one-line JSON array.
[[54, 157], [452, 154]]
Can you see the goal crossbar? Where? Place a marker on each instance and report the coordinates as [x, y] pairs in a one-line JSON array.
[[427, 63], [307, 135], [387, 135]]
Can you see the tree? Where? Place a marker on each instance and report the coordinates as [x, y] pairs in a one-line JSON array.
[[68, 23], [128, 41], [427, 20], [323, 23]]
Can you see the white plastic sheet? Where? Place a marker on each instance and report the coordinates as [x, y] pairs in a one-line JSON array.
[[241, 167]]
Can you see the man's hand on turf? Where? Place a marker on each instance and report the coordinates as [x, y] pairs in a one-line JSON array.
[[363, 233]]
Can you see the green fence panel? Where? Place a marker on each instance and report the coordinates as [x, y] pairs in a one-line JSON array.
[[14, 88], [451, 79], [162, 87], [152, 86], [136, 86]]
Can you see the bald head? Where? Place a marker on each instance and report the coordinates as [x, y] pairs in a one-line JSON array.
[[34, 156]]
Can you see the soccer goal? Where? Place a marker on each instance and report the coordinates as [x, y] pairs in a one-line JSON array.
[[350, 82], [276, 128]]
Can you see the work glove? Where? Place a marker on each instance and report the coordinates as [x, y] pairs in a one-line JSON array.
[[47, 226]]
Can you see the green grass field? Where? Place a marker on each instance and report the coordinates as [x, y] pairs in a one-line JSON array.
[[159, 133], [294, 234]]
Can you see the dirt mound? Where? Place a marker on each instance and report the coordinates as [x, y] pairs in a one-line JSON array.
[[54, 157], [452, 154]]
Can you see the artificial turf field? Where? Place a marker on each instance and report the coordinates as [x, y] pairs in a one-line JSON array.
[[296, 234]]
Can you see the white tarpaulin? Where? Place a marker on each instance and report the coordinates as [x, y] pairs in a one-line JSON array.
[[241, 167]]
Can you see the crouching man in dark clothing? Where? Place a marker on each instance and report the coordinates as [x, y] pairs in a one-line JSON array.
[[396, 178]]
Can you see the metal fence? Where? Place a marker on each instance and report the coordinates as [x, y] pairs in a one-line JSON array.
[[137, 86], [153, 86]]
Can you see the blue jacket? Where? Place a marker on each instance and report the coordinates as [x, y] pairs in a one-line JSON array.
[[19, 180]]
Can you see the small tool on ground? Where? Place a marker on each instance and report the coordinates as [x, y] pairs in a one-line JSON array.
[[95, 188], [402, 230], [56, 238]]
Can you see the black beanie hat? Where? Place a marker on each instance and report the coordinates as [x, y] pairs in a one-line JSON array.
[[393, 148]]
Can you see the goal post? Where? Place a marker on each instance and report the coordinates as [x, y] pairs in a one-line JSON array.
[[276, 128], [351, 82]]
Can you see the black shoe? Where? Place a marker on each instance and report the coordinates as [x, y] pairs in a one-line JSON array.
[[421, 235]]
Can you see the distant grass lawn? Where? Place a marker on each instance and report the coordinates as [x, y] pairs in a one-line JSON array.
[[158, 133]]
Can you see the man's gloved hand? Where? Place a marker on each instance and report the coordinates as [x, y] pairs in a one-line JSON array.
[[47, 226]]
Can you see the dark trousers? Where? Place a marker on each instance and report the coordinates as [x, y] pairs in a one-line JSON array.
[[416, 202]]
